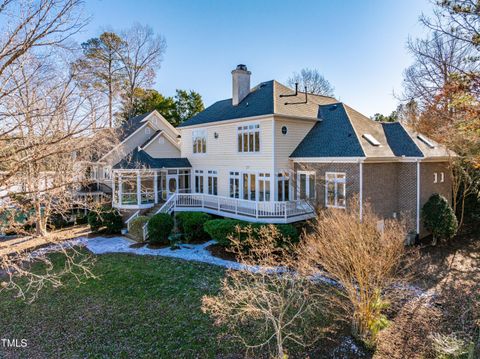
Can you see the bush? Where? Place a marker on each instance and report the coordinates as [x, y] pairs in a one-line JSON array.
[[191, 225], [94, 220], [106, 217], [159, 228], [221, 229], [136, 227], [113, 221], [438, 217]]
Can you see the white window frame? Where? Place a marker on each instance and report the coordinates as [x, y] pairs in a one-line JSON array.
[[283, 177], [107, 170], [234, 175], [262, 179], [442, 177], [308, 175], [199, 174], [336, 181], [252, 129], [435, 177], [199, 141], [212, 176]]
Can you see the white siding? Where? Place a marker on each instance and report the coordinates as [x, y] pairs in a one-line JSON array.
[[162, 148]]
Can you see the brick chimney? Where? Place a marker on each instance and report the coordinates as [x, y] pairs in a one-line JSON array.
[[240, 84]]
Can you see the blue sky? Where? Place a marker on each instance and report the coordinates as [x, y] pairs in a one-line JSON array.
[[359, 46]]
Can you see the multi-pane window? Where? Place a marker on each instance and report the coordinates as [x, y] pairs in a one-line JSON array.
[[199, 181], [264, 187], [335, 189], [235, 184], [306, 184], [283, 186], [212, 182], [248, 138], [199, 140]]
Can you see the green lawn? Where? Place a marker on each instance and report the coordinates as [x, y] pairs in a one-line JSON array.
[[139, 307]]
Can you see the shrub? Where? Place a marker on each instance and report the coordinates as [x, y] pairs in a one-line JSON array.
[[222, 229], [136, 227], [113, 221], [159, 228], [94, 220], [106, 217], [191, 225], [438, 218]]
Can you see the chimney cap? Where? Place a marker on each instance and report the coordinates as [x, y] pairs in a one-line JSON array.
[[242, 67]]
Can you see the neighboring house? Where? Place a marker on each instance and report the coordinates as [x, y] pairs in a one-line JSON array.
[[271, 154]]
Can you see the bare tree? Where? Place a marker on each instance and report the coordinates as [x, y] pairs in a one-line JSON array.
[[267, 295], [141, 55], [364, 259], [313, 81]]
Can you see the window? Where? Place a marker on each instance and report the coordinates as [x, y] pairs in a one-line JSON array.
[[235, 184], [199, 181], [442, 177], [264, 187], [249, 186], [284, 130], [199, 140], [435, 177], [306, 184], [335, 190], [147, 130], [107, 172], [212, 182], [283, 186], [248, 138]]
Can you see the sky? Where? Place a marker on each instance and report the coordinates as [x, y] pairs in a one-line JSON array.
[[359, 46]]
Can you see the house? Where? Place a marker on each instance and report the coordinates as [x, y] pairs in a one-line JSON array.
[[272, 154]]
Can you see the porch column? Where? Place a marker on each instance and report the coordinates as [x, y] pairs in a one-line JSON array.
[[120, 189], [113, 188], [139, 184], [155, 186]]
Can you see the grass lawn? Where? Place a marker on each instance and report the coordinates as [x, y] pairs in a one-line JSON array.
[[140, 306]]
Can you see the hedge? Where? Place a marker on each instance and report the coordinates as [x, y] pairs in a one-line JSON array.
[[221, 229], [159, 228], [136, 227], [191, 225]]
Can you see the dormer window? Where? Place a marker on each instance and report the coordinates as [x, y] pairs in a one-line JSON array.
[[248, 138], [372, 140]]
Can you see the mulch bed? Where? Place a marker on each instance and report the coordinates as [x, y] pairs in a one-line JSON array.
[[221, 252]]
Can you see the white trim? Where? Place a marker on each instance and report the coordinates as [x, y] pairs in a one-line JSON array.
[[418, 197], [166, 135], [273, 183], [328, 159], [307, 184], [158, 114]]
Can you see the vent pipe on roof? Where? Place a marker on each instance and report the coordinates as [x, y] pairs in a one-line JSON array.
[[240, 84]]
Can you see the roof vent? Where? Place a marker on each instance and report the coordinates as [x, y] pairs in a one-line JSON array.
[[426, 141], [371, 139]]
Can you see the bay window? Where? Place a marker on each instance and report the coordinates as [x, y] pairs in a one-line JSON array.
[[283, 186]]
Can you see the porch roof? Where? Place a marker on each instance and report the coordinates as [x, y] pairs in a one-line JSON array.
[[139, 159]]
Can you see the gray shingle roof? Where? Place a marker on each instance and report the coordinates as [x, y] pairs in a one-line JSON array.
[[258, 102], [399, 140], [332, 136], [142, 160], [131, 125]]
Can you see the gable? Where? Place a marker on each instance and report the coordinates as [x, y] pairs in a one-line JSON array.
[[161, 146]]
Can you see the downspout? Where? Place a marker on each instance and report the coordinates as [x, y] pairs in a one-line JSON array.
[[361, 189], [273, 182], [418, 196]]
